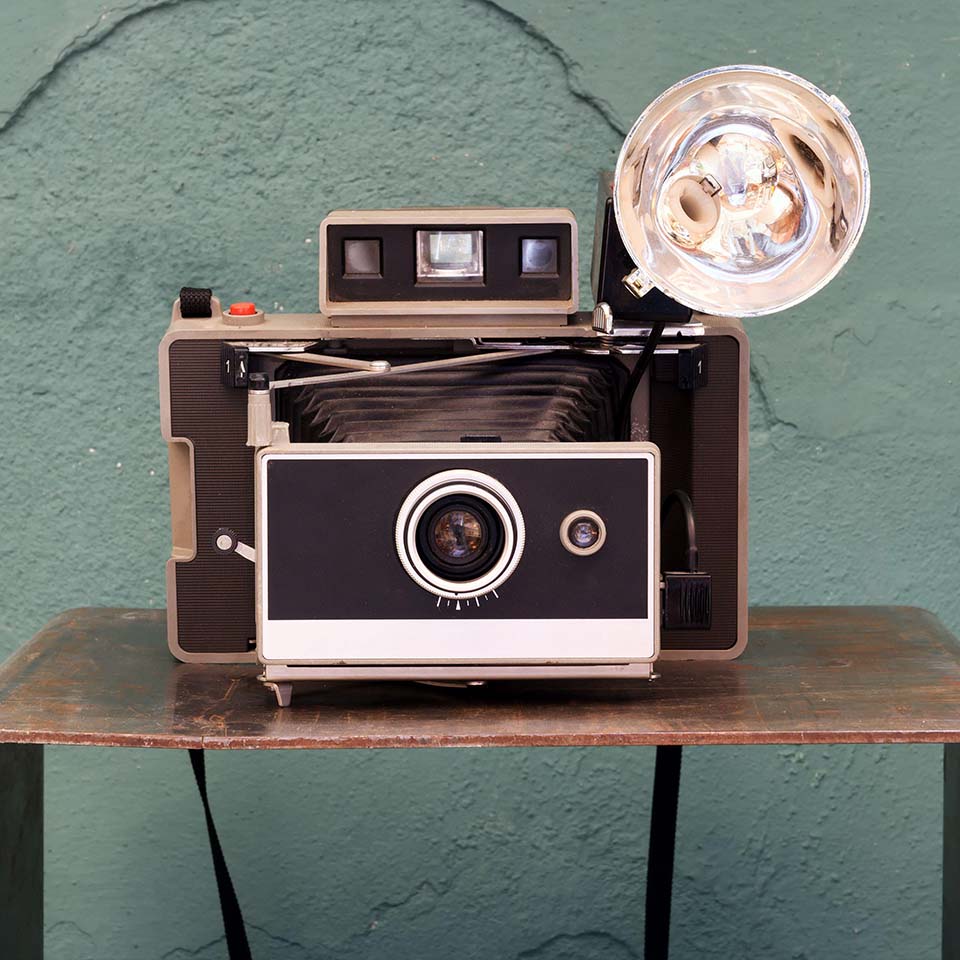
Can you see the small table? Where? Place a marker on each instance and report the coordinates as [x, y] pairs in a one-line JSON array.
[[809, 675]]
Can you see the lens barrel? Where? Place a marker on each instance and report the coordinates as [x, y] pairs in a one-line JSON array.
[[460, 537], [459, 534]]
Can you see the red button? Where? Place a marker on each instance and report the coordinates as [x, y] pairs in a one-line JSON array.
[[243, 309]]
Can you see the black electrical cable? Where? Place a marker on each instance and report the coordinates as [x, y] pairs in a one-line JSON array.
[[680, 497], [636, 375]]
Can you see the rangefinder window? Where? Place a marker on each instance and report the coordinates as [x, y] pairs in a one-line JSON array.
[[449, 255], [538, 256], [361, 257]]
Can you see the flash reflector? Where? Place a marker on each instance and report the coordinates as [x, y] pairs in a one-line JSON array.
[[741, 191]]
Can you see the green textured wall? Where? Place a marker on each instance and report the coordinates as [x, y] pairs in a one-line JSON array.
[[200, 142]]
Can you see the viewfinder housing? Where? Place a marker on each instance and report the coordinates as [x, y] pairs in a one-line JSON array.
[[500, 266]]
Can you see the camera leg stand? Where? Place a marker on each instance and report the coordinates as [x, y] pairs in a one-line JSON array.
[[282, 691]]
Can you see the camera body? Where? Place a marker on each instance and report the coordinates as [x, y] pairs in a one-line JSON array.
[[431, 479], [450, 473], [407, 519]]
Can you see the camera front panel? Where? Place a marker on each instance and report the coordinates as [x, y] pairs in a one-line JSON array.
[[457, 553]]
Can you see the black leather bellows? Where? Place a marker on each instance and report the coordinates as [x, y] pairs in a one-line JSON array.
[[564, 397]]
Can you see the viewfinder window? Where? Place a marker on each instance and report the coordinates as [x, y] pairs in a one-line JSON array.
[[451, 255], [538, 256], [361, 258]]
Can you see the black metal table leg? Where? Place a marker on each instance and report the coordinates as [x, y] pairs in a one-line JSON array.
[[950, 949], [663, 838], [21, 851]]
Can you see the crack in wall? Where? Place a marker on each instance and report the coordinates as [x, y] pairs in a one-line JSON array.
[[94, 35], [426, 892], [204, 947], [63, 927], [571, 68], [767, 409], [70, 924], [97, 32], [852, 333], [276, 938], [574, 945], [191, 951]]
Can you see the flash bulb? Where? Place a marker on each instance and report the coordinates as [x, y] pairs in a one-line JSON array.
[[741, 191]]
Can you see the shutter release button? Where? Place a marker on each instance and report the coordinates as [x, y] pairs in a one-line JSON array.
[[243, 313], [243, 309]]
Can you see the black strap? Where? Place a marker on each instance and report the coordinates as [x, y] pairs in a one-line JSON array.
[[663, 838], [663, 835], [237, 946]]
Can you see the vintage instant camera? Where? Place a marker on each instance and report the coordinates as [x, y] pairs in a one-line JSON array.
[[451, 474]]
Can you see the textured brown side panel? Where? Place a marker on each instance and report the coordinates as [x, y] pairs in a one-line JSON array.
[[215, 594], [697, 432]]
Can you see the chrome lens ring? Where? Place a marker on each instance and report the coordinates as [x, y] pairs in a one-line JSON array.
[[591, 516], [464, 483]]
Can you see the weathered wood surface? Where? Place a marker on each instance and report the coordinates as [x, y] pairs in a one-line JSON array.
[[21, 851], [809, 675]]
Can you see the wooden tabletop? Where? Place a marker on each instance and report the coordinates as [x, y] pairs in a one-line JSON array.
[[809, 675]]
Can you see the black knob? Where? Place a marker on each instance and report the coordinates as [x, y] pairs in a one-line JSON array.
[[195, 302]]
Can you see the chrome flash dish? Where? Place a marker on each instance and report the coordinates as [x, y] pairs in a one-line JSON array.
[[741, 191]]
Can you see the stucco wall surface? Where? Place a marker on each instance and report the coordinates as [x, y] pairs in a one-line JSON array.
[[156, 144]]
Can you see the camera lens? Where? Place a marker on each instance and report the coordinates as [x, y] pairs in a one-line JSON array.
[[584, 532], [457, 534], [460, 537]]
